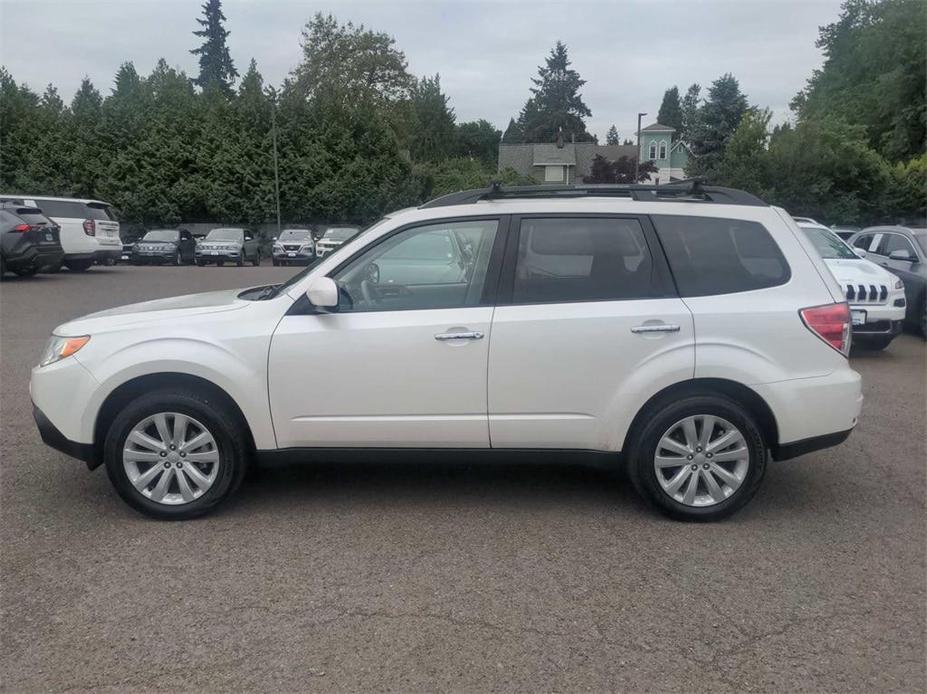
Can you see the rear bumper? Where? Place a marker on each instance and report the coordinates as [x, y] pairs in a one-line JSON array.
[[35, 256], [51, 436], [815, 443]]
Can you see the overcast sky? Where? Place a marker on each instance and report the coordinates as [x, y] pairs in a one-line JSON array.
[[629, 52]]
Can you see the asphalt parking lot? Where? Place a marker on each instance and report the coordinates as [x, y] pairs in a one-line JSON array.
[[456, 578]]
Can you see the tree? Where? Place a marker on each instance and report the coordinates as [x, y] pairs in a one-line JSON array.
[[435, 131], [556, 106], [717, 121], [514, 134], [874, 75], [217, 71], [611, 137], [744, 164], [690, 112], [618, 171], [671, 111], [479, 140]]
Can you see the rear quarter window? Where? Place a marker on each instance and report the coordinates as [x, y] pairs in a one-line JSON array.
[[720, 256], [73, 209]]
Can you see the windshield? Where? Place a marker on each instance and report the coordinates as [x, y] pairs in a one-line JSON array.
[[225, 235], [294, 235], [339, 233], [829, 244], [162, 235]]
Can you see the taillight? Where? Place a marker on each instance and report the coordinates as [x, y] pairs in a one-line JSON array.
[[22, 228], [831, 323], [89, 228]]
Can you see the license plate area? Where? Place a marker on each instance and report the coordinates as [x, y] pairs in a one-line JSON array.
[[858, 317]]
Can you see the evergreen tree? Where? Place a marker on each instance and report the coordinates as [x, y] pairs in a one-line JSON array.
[[691, 103], [435, 132], [556, 106], [671, 111], [514, 134], [718, 119], [479, 140], [217, 71], [611, 137]]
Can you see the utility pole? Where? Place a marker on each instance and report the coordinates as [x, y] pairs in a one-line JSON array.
[[273, 121], [637, 159]]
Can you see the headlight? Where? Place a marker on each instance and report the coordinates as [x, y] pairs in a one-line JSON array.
[[278, 247], [60, 347], [899, 284]]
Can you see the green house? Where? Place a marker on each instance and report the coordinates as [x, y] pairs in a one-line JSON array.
[[670, 157]]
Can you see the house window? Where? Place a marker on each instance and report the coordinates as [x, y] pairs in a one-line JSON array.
[[663, 149], [653, 150], [553, 174]]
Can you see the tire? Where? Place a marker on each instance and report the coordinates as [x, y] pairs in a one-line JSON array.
[[52, 269], [78, 265], [178, 260], [200, 263], [226, 451], [256, 260], [220, 263], [924, 319], [241, 260], [26, 271], [667, 421], [275, 262], [2, 266]]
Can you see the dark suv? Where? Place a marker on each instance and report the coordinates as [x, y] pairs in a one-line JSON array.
[[29, 240], [174, 246], [903, 251]]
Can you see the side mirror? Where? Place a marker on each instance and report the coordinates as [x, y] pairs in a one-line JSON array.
[[323, 293], [860, 252], [900, 254], [273, 238], [247, 238]]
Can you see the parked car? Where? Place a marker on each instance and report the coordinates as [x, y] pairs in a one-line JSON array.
[[334, 237], [876, 296], [294, 247], [89, 230], [129, 239], [29, 240], [174, 246], [844, 232], [903, 251], [233, 245], [571, 329]]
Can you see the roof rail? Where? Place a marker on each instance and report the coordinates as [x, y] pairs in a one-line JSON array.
[[691, 190]]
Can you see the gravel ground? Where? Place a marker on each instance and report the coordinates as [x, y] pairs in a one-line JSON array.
[[456, 577]]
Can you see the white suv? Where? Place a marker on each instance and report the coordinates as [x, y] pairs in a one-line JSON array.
[[688, 333], [89, 230]]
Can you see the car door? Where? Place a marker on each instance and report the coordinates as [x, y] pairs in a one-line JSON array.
[[586, 321], [402, 361], [907, 269], [187, 245]]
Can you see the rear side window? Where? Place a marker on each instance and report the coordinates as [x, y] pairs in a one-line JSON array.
[[34, 217], [720, 256], [863, 241], [896, 242], [583, 259]]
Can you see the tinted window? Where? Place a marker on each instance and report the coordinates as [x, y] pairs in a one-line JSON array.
[[419, 268], [828, 245], [161, 235], [73, 209], [720, 256], [863, 241], [583, 259], [895, 242]]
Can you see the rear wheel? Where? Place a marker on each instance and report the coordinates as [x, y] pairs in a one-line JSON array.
[[700, 458], [924, 318], [26, 271], [175, 454], [220, 263], [178, 259]]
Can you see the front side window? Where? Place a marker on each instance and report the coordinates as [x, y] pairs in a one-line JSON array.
[[896, 242], [863, 241], [436, 266], [582, 259], [720, 256]]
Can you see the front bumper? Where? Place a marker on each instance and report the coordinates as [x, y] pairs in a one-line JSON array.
[[214, 256], [51, 436], [293, 256], [140, 257]]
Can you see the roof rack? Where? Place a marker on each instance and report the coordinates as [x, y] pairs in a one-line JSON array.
[[691, 190]]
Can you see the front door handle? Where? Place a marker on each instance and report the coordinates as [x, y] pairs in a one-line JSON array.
[[471, 335], [657, 328]]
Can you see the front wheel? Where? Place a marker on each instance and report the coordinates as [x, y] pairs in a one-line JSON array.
[[256, 260], [178, 259], [700, 458], [175, 455]]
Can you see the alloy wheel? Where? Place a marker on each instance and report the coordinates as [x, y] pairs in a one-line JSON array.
[[701, 460], [171, 458]]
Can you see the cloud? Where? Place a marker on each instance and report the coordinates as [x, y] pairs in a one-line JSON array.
[[629, 52]]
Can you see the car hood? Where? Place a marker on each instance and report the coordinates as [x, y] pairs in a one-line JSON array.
[[149, 311], [860, 271], [220, 243], [157, 244]]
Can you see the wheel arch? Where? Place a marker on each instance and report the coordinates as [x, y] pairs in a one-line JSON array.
[[739, 393], [123, 394]]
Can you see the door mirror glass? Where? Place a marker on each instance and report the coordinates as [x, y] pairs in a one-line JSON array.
[[860, 252], [323, 292]]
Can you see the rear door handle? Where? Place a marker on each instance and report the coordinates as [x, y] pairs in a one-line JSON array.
[[658, 328], [471, 335]]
